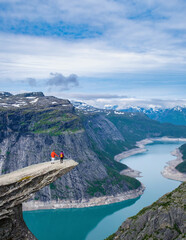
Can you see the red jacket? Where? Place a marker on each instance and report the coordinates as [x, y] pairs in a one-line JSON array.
[[53, 154]]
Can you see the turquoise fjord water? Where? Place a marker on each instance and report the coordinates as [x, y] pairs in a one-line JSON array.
[[96, 223]]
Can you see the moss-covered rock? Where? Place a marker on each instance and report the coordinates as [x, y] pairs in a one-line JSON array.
[[164, 219]]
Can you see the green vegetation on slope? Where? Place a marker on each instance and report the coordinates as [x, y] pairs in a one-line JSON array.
[[41, 121], [182, 166], [114, 178], [107, 157], [137, 126], [102, 141], [133, 127], [106, 138], [56, 123], [164, 219]]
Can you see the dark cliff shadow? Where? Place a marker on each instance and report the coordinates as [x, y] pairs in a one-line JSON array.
[[68, 224]]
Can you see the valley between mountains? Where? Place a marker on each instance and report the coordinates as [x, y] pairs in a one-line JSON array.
[[32, 125]]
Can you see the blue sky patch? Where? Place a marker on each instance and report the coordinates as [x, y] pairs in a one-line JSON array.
[[135, 48]]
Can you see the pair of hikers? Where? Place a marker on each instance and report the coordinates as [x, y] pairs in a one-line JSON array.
[[53, 154]]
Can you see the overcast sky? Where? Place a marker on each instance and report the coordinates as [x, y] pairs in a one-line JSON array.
[[100, 52]]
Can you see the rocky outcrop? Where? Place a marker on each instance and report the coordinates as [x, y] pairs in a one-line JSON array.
[[170, 170], [181, 167], [16, 187], [32, 125], [164, 219], [33, 100]]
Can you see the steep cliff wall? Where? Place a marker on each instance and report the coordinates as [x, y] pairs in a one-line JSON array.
[[164, 219], [30, 132], [16, 187], [31, 126]]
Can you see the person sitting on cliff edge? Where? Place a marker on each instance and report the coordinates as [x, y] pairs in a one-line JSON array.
[[53, 154]]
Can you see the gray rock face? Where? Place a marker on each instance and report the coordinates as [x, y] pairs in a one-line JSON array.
[[105, 132], [32, 100], [29, 133], [14, 227], [32, 125], [31, 94], [32, 149], [16, 187], [164, 219]]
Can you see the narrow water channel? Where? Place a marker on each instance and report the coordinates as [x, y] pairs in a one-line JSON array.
[[96, 223]]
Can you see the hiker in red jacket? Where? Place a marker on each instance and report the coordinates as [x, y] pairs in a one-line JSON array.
[[53, 154]]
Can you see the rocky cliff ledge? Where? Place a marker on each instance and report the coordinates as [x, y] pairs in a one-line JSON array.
[[16, 187], [164, 219]]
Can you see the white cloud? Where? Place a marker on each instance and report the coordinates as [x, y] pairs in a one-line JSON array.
[[141, 36], [95, 96], [35, 57], [121, 101], [137, 25]]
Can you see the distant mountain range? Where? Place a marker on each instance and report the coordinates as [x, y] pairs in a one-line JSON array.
[[32, 125], [85, 107], [175, 115]]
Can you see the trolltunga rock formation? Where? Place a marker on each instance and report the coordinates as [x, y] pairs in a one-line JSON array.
[[16, 187]]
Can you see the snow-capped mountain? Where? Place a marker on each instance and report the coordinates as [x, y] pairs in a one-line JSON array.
[[85, 107], [30, 100], [176, 115]]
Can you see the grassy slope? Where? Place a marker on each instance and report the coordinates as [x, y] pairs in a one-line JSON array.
[[133, 129], [41, 121], [55, 122], [138, 126]]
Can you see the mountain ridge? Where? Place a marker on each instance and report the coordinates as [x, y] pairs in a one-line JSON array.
[[164, 219], [30, 132], [175, 115]]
